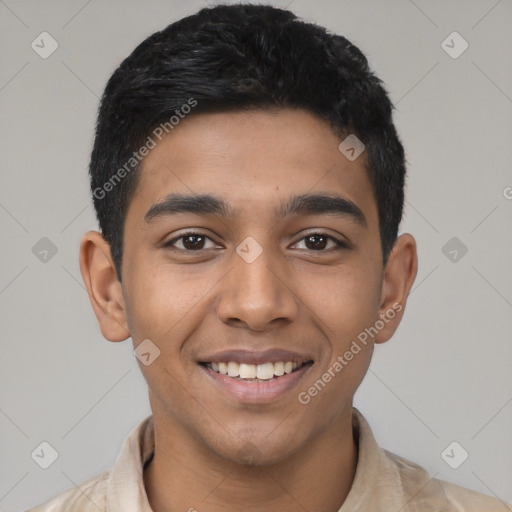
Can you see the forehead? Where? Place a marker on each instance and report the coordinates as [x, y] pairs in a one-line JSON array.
[[251, 160]]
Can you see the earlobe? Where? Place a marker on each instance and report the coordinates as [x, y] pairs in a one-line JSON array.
[[103, 287], [399, 276]]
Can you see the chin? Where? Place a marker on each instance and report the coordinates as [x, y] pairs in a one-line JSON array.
[[255, 451]]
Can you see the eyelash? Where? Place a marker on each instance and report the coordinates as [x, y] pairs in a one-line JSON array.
[[340, 245]]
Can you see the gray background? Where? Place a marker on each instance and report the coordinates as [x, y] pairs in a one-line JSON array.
[[446, 374]]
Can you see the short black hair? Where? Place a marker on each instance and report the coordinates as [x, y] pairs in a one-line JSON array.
[[240, 57]]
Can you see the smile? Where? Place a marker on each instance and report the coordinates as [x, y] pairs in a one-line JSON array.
[[250, 378], [254, 372]]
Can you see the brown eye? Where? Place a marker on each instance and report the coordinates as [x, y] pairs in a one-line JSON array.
[[319, 242], [189, 242], [316, 242], [193, 242]]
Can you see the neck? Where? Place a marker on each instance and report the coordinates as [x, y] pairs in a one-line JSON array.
[[183, 475]]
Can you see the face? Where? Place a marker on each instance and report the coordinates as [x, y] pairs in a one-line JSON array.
[[266, 279]]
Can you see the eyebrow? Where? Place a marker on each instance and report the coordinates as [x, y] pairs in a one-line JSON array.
[[304, 204]]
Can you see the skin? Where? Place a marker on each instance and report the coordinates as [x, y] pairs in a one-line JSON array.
[[293, 296]]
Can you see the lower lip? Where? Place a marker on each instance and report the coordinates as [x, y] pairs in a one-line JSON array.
[[257, 392]]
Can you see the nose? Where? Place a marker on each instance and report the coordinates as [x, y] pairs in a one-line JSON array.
[[257, 295]]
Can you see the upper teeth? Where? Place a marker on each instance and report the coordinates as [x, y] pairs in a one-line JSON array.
[[263, 371]]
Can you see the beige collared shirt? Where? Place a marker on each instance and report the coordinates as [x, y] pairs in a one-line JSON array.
[[383, 482]]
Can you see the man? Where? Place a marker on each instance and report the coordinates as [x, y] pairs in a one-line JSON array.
[[249, 185]]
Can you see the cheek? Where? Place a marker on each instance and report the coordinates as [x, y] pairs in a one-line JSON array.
[[345, 299], [164, 306], [346, 303], [163, 301]]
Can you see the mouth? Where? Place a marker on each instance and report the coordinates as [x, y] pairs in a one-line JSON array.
[[265, 372], [256, 377]]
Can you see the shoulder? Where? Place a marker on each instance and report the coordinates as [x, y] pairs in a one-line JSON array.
[[89, 496], [467, 500], [427, 492]]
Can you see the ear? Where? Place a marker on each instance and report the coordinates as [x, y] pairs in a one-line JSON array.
[[104, 289], [399, 276]]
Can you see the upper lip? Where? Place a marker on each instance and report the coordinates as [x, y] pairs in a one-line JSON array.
[[259, 357]]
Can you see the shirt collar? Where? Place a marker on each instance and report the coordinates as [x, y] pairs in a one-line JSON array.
[[125, 486], [383, 481]]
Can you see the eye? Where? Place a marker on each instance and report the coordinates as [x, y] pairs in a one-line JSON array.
[[194, 241], [190, 241], [319, 241]]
